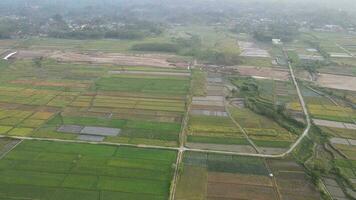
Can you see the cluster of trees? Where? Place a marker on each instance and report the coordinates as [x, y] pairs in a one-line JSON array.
[[191, 46], [98, 34], [316, 45], [275, 112], [282, 30], [310, 66], [7, 28], [98, 28]]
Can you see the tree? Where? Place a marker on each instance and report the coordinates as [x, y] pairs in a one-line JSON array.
[[38, 61]]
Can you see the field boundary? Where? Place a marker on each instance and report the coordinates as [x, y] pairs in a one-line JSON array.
[[12, 148], [242, 129]]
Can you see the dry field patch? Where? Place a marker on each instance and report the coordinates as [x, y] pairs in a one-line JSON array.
[[337, 82], [237, 191], [243, 179], [263, 72]]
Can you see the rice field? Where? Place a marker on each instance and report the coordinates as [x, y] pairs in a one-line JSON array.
[[50, 170], [323, 108], [146, 107], [263, 131], [211, 176]]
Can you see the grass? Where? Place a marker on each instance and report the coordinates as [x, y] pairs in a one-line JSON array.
[[198, 83], [36, 169], [216, 38], [259, 62], [146, 85], [20, 132], [226, 163], [192, 183], [217, 140], [5, 129], [212, 126]]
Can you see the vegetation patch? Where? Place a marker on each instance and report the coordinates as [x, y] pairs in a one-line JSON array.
[[85, 170]]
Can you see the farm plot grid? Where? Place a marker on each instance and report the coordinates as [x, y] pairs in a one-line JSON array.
[[264, 132], [323, 108], [139, 105], [50, 170], [344, 141], [209, 124], [211, 176]]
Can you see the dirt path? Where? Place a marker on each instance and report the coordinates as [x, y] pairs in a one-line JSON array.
[[174, 182], [8, 151], [345, 50], [242, 129]]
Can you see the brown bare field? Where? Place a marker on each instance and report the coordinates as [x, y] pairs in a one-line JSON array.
[[156, 60], [211, 108], [114, 58], [283, 165], [238, 191], [337, 81], [296, 186], [30, 54], [265, 72], [239, 179], [292, 181]]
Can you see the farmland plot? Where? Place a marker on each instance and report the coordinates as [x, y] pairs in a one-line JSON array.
[[144, 105], [48, 170], [6, 145], [210, 176], [323, 108], [291, 180], [209, 125], [265, 133]]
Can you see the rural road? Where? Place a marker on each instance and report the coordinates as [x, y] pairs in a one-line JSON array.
[[305, 110]]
